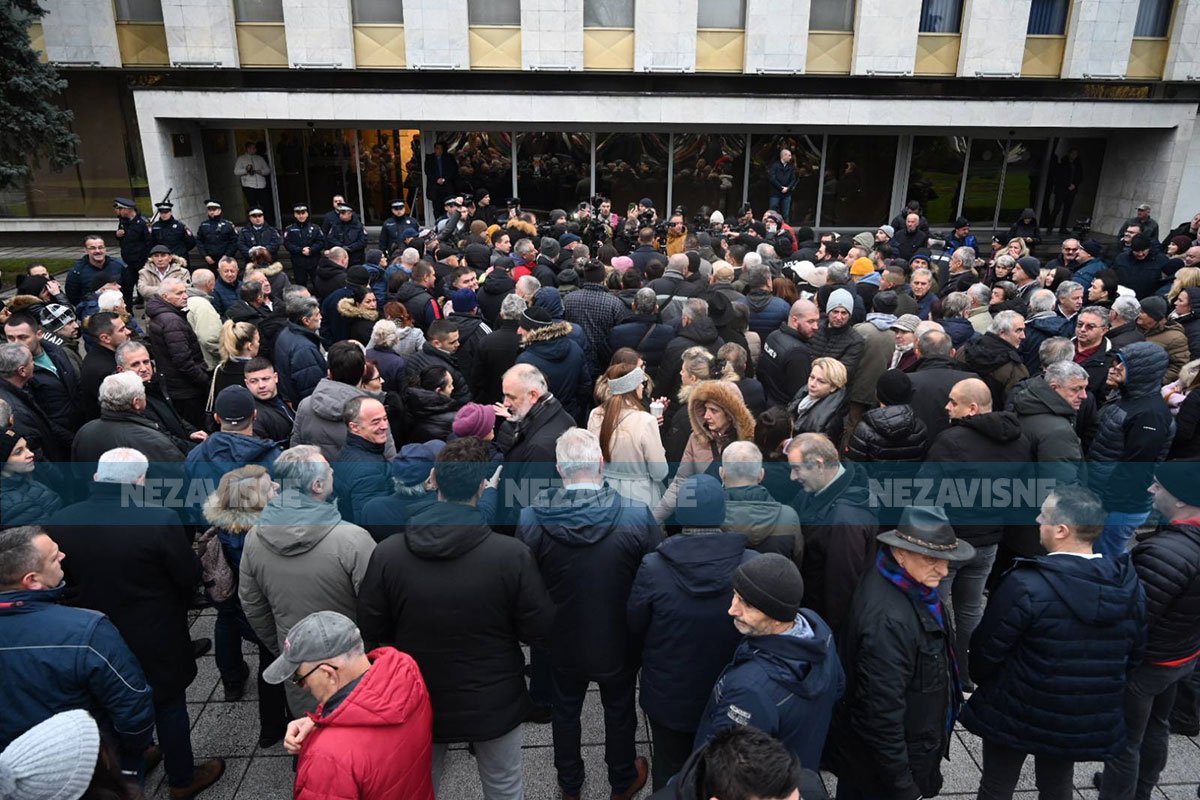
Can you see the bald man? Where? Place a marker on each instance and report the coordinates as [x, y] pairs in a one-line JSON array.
[[972, 466], [786, 355]]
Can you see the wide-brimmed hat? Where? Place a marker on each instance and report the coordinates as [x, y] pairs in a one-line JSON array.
[[927, 530]]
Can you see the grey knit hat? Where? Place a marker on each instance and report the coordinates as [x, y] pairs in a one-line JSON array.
[[53, 760]]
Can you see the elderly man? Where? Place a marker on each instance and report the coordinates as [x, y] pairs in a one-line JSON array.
[[202, 315], [297, 354], [123, 423], [162, 265], [361, 472], [696, 329], [903, 694], [134, 357], [43, 435], [55, 380], [996, 355], [180, 358], [768, 525], [1092, 347], [1142, 218]]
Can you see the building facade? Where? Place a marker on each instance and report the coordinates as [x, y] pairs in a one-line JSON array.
[[970, 106]]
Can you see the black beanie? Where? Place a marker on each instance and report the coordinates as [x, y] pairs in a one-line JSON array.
[[772, 584], [1156, 307], [893, 388], [8, 442]]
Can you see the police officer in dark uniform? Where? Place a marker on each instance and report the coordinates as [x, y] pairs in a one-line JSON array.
[[133, 232], [170, 232], [389, 235], [305, 241], [349, 233], [258, 234], [216, 236]]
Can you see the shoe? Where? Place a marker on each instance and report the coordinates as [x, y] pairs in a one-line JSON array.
[[237, 690], [1096, 776], [643, 770], [151, 758], [266, 740], [539, 714], [201, 646], [568, 796], [204, 776], [1182, 730]]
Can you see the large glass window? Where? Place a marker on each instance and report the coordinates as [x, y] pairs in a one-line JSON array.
[[484, 161], [608, 13], [258, 10], [983, 180], [494, 12], [630, 166], [139, 11], [378, 12], [941, 16], [857, 187], [935, 176], [831, 15], [384, 158], [1048, 17], [553, 170], [806, 155], [721, 14], [1153, 18], [1024, 161], [708, 171]]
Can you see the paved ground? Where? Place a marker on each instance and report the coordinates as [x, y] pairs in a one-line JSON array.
[[231, 730]]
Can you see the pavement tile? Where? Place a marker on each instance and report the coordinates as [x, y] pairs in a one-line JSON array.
[[224, 789], [266, 779], [226, 729]]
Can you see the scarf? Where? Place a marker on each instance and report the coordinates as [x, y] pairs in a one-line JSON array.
[[931, 600]]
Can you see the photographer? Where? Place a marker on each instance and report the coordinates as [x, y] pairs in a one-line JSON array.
[[677, 231]]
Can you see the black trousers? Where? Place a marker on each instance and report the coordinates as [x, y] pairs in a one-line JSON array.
[[620, 727], [669, 750], [1002, 768]]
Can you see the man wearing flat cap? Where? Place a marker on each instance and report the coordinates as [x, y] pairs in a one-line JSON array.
[[785, 677], [893, 727]]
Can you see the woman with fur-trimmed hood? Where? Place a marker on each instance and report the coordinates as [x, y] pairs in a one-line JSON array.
[[719, 417], [548, 345], [360, 310]]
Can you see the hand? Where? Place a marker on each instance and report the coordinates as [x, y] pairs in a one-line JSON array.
[[441, 181], [198, 436], [501, 411], [494, 481], [297, 731], [784, 190], [53, 287], [209, 259], [120, 233]]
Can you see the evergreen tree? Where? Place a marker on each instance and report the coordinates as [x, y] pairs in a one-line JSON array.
[[33, 127]]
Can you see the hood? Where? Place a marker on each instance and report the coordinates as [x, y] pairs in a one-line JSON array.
[[390, 694], [999, 426], [751, 510], [25, 302], [234, 520], [548, 298], [1049, 323], [759, 300], [1035, 396], [497, 283], [989, 352], [347, 308], [577, 517], [425, 403], [407, 291], [703, 564], [881, 321], [548, 333], [25, 600], [294, 523], [1099, 591], [445, 530], [702, 331], [271, 271], [329, 399], [521, 226], [728, 397], [805, 666], [234, 449], [328, 269], [1145, 365]]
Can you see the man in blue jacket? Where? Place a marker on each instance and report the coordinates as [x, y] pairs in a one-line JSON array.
[[95, 261], [785, 676], [233, 446]]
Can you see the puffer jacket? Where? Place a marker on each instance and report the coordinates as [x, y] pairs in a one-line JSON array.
[[1191, 329], [377, 742], [1170, 336], [429, 356], [701, 332], [176, 350], [891, 433], [768, 525], [1051, 656], [1168, 563], [767, 312], [845, 344], [492, 290], [357, 320], [299, 362], [430, 415], [25, 501], [1037, 330], [1133, 433], [552, 350], [319, 419]]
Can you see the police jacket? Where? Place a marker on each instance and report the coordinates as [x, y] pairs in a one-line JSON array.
[[135, 244], [172, 234], [216, 237], [260, 236], [351, 236], [297, 237]]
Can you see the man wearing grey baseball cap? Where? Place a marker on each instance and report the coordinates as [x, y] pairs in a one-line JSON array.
[[372, 732]]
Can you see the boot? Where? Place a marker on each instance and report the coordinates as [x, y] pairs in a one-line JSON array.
[[204, 776]]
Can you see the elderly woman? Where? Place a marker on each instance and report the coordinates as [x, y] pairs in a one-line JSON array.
[[820, 405], [635, 462], [360, 310], [384, 336]]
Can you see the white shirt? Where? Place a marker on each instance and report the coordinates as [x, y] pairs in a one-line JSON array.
[[258, 179]]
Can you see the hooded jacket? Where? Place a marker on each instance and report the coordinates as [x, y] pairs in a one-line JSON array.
[[1051, 656], [497, 352], [588, 543], [997, 363], [552, 350], [420, 304], [430, 415], [784, 684], [299, 362], [1133, 433], [430, 356], [701, 332], [678, 618], [319, 419], [645, 334], [357, 320], [767, 311], [459, 599], [1037, 330], [492, 290], [768, 525], [1168, 563], [301, 557], [1048, 422], [376, 742], [1169, 335]]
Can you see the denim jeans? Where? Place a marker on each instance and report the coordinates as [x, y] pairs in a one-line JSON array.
[[781, 203], [617, 695], [175, 738], [498, 761], [669, 750], [962, 592], [1002, 769], [1149, 695], [230, 630], [1118, 530]]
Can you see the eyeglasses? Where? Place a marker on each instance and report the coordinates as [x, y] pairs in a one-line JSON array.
[[1087, 326], [298, 680]]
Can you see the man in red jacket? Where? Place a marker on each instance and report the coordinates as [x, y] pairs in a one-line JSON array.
[[372, 733]]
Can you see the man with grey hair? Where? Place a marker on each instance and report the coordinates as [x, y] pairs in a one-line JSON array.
[[123, 424], [41, 433], [1042, 322], [297, 356], [980, 295], [643, 331], [1046, 406], [497, 352], [588, 541], [962, 271], [1123, 327], [955, 306], [301, 557], [768, 525], [695, 330], [203, 317], [674, 283], [132, 561], [996, 357], [177, 349], [1069, 297]]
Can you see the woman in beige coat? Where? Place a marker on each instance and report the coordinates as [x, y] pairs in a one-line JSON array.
[[635, 462]]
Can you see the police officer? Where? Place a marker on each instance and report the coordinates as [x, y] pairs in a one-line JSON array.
[[305, 241], [216, 236], [133, 232], [258, 234], [349, 234], [170, 232], [389, 235]]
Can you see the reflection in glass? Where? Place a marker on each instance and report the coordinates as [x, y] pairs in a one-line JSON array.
[[935, 176], [139, 11], [941, 16], [258, 10], [484, 162], [858, 178], [330, 169], [630, 166], [287, 148], [983, 181], [1153, 18], [1048, 17], [708, 172], [553, 170], [806, 155], [831, 15], [385, 158], [1024, 160], [377, 12], [494, 12], [608, 13], [1090, 157], [721, 14]]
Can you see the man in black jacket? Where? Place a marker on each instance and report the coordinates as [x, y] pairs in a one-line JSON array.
[[440, 351], [783, 179], [934, 375], [43, 435], [786, 356], [497, 352], [1168, 563], [55, 382], [274, 418], [695, 329], [643, 331], [588, 542], [304, 240], [109, 332], [460, 599]]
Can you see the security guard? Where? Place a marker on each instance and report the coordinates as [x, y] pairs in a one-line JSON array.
[[258, 234], [216, 236], [349, 233], [133, 232], [389, 235], [305, 241], [170, 232]]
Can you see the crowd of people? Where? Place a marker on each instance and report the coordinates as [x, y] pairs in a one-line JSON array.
[[809, 500]]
